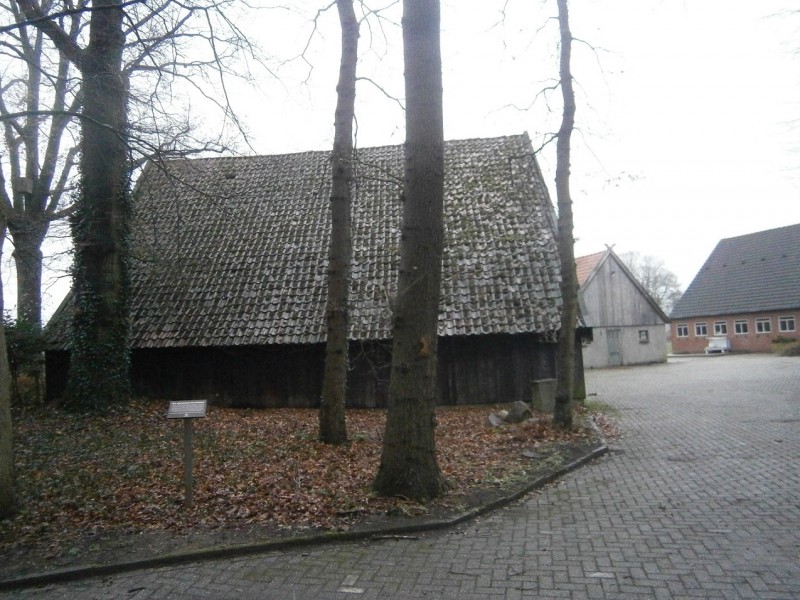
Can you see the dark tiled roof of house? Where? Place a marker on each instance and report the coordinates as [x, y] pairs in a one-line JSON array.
[[233, 251], [749, 273]]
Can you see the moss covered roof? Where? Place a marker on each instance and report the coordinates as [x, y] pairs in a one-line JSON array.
[[233, 251]]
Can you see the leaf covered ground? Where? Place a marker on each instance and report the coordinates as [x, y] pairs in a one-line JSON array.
[[83, 479]]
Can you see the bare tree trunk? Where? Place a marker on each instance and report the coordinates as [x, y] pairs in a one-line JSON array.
[[562, 415], [28, 261], [408, 462], [39, 170], [6, 430], [100, 358], [25, 224], [332, 426]]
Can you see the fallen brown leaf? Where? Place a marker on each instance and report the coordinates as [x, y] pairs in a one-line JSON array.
[[123, 471]]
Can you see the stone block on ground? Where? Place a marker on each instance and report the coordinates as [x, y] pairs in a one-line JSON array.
[[543, 395]]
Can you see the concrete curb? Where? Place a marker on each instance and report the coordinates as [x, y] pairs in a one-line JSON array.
[[191, 556]]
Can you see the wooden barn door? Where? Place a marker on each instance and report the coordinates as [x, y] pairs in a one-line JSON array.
[[614, 348]]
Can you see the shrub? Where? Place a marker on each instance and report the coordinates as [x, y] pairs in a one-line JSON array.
[[24, 344], [790, 349]]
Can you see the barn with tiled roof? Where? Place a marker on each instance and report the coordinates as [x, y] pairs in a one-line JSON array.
[[229, 264]]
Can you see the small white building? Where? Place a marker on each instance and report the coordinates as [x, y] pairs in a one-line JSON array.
[[627, 324]]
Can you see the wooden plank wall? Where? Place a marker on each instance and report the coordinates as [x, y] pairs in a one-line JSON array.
[[472, 370]]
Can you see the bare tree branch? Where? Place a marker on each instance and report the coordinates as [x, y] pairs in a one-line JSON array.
[[36, 18], [383, 91], [62, 40]]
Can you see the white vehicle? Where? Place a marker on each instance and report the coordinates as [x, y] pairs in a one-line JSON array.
[[718, 344]]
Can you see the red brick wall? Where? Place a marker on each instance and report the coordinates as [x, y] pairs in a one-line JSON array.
[[752, 341]]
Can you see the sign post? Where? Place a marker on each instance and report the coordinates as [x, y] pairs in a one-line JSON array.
[[188, 410]]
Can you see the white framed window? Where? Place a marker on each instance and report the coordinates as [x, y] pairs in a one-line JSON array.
[[786, 323], [763, 325], [644, 336], [682, 330], [720, 328], [740, 327], [700, 329]]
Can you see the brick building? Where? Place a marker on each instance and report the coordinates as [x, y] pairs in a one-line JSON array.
[[748, 291]]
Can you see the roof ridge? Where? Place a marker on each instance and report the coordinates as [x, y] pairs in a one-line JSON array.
[[522, 136], [755, 233]]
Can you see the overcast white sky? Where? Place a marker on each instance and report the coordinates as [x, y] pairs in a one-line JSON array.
[[688, 109]]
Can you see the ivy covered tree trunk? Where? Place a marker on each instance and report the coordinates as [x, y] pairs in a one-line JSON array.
[[6, 430], [332, 425], [100, 358], [408, 464], [562, 414]]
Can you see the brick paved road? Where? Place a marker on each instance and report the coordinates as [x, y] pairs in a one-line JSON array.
[[699, 499]]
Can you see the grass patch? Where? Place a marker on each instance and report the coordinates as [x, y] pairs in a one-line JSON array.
[[593, 405]]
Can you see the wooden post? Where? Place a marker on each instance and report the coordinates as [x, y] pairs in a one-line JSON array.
[[188, 462], [188, 411]]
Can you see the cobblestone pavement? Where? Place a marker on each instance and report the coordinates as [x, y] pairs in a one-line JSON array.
[[699, 499]]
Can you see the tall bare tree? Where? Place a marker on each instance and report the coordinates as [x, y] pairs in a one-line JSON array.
[[41, 97], [562, 415], [150, 37], [6, 430], [100, 359], [332, 425], [408, 464], [39, 168]]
